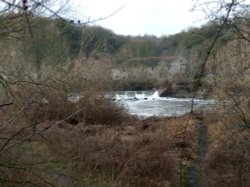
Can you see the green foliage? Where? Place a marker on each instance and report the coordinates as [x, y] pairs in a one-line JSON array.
[[90, 41], [45, 45], [72, 35]]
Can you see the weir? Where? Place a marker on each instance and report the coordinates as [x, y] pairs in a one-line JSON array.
[[149, 103]]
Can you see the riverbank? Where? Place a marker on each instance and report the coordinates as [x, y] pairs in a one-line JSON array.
[[134, 153], [105, 146], [95, 150]]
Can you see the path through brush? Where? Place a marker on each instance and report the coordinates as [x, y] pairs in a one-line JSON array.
[[194, 170]]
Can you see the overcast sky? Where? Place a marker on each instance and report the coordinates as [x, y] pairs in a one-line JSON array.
[[139, 17]]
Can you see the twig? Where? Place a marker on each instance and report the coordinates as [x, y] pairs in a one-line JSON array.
[[6, 104], [15, 115], [103, 18], [198, 82], [6, 146]]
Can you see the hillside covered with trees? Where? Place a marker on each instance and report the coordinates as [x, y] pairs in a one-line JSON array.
[[61, 42]]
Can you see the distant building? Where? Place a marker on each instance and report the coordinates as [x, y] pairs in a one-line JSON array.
[[167, 68], [118, 74], [177, 68]]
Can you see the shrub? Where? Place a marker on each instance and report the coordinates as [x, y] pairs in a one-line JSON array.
[[136, 153], [89, 109], [227, 162]]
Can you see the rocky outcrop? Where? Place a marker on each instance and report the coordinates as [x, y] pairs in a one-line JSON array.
[[166, 92], [182, 90]]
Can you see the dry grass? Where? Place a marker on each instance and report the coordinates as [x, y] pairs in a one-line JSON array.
[[146, 153], [105, 147], [228, 158], [23, 119], [136, 153], [89, 109]]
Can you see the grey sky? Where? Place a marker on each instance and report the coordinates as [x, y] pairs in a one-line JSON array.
[[139, 17]]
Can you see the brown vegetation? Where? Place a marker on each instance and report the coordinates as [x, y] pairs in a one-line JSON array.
[[106, 147], [46, 140], [135, 153], [227, 162]]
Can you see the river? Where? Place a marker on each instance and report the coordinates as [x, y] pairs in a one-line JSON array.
[[148, 103]]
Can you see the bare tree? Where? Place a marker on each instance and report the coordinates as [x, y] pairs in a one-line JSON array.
[[22, 92], [226, 68]]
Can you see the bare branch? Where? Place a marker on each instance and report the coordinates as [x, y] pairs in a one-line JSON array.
[[6, 146], [15, 115], [103, 18], [5, 104]]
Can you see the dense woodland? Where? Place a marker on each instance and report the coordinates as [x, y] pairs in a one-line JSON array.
[[56, 42], [86, 41]]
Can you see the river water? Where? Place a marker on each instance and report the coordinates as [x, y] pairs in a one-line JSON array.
[[148, 103]]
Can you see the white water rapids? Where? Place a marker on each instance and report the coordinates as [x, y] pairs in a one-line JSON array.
[[149, 103]]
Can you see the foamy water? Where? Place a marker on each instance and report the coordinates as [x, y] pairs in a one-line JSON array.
[[149, 103]]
